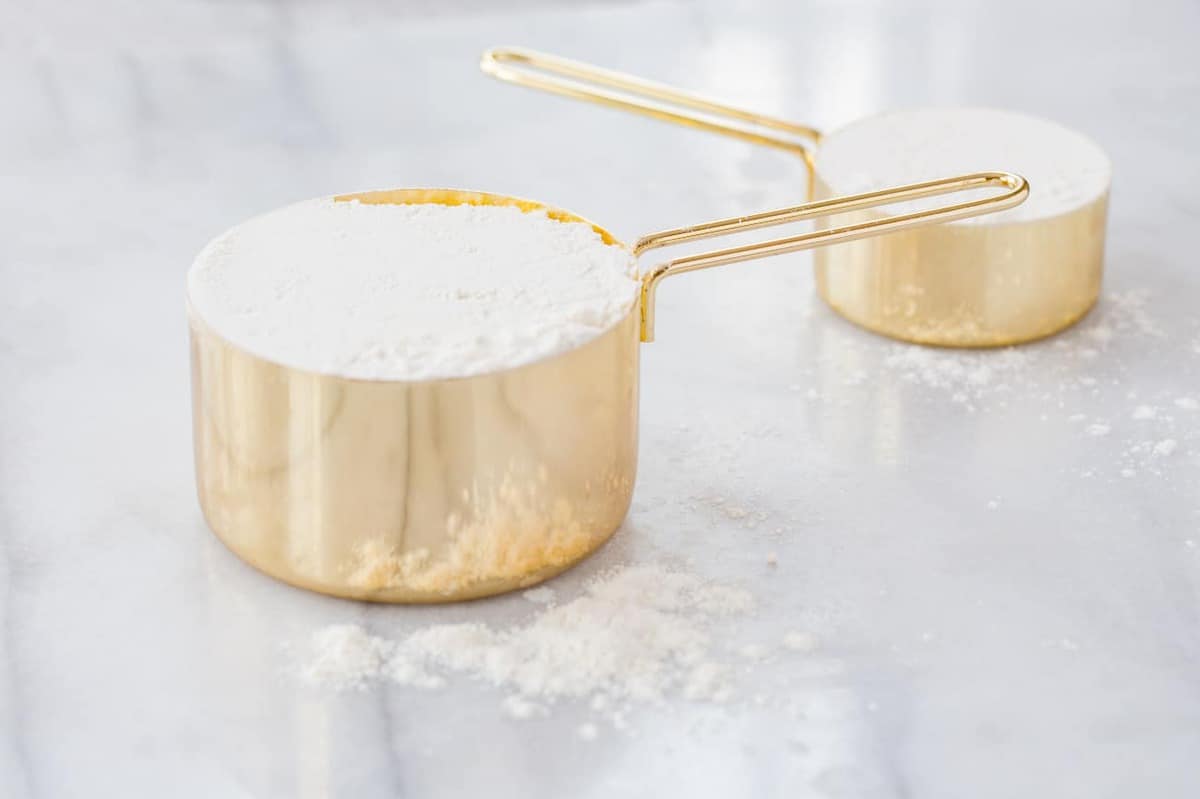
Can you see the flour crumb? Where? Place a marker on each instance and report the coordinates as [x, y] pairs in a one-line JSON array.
[[723, 600], [1075, 418], [799, 641], [772, 559], [1130, 314], [520, 708], [403, 670], [347, 657], [1143, 412], [708, 682], [993, 504], [1165, 447], [587, 731], [1097, 430], [856, 378], [1187, 403], [540, 596]]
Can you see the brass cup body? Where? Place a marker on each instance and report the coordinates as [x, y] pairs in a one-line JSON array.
[[966, 285], [416, 491]]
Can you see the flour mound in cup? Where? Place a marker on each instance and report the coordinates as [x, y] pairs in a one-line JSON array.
[[425, 291]]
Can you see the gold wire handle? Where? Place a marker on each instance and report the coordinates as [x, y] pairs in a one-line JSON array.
[[586, 82], [1018, 190]]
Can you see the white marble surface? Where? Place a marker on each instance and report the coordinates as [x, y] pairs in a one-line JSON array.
[[1006, 605]]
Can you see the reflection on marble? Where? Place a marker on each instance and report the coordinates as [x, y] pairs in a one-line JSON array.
[[1008, 605]]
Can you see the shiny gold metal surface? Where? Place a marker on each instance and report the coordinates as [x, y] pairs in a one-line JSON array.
[[869, 225], [950, 285], [967, 285], [422, 491], [416, 491]]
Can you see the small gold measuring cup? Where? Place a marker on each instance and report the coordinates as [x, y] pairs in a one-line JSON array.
[[434, 490], [981, 285]]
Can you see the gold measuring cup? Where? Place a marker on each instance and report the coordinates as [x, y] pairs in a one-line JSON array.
[[425, 491], [980, 285]]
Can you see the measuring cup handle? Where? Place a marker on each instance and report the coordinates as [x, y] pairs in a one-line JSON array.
[[1017, 190], [616, 90]]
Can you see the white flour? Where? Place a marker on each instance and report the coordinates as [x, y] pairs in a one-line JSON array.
[[1065, 169], [1075, 383], [638, 634], [976, 376], [346, 657], [964, 375], [1143, 412], [410, 292], [1165, 447]]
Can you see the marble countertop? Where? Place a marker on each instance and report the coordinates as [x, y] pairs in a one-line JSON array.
[[1006, 602]]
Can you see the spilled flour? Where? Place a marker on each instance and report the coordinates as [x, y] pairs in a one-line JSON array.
[[637, 634], [972, 376], [1093, 383]]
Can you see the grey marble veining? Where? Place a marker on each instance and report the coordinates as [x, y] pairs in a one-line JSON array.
[[1006, 605]]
